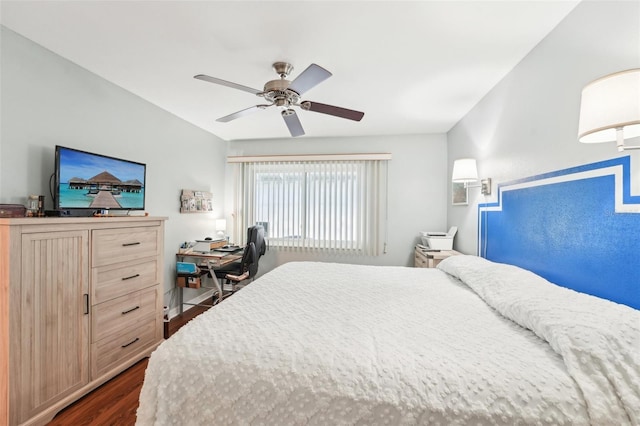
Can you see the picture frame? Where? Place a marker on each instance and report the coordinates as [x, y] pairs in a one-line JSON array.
[[459, 194], [196, 201]]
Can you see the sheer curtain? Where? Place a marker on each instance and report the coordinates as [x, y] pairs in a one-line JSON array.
[[336, 205]]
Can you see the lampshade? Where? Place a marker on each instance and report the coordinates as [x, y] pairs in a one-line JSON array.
[[221, 224], [610, 103], [465, 170]]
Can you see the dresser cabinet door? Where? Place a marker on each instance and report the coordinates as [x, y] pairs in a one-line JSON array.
[[54, 340]]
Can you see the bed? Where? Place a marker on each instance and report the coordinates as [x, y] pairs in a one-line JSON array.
[[471, 342]]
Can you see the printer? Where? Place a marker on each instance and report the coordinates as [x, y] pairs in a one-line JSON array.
[[439, 240]]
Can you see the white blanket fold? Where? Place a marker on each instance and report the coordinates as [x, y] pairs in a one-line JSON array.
[[599, 341]]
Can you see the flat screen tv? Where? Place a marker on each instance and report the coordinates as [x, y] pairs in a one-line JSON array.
[[86, 182]]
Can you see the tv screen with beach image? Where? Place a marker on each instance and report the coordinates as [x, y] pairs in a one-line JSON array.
[[93, 181]]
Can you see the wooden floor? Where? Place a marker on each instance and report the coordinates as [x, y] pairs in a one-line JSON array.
[[116, 402]]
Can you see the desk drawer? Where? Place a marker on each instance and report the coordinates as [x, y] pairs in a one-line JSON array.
[[109, 282], [109, 353], [119, 245], [117, 315]]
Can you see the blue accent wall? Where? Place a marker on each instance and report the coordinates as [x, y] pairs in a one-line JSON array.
[[568, 230]]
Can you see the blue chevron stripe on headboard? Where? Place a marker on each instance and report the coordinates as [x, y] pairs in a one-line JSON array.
[[577, 227]]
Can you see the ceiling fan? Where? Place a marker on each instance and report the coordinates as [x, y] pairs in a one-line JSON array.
[[286, 94]]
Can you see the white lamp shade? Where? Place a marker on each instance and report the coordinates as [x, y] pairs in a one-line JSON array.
[[465, 170], [608, 103], [221, 224]]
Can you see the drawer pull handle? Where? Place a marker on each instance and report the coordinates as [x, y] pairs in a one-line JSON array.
[[130, 244], [130, 310], [131, 342], [132, 276], [86, 303]]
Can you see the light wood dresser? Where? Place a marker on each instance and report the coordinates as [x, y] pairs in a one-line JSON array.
[[80, 301]]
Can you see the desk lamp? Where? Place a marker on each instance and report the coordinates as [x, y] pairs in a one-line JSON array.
[[221, 227]]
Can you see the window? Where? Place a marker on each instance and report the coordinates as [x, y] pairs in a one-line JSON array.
[[321, 205]]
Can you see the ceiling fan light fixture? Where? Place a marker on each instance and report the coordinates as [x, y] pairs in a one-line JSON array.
[[277, 86]]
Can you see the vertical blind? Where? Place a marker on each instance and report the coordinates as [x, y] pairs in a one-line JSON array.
[[329, 205]]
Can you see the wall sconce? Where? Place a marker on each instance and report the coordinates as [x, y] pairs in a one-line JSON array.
[[221, 227], [465, 171], [610, 109]]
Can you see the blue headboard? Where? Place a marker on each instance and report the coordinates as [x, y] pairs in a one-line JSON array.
[[577, 227]]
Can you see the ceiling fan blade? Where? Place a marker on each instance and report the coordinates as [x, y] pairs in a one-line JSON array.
[[227, 83], [332, 110], [309, 78], [241, 113], [293, 122]]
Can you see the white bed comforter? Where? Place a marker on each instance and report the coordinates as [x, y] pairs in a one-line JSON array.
[[599, 341], [332, 344]]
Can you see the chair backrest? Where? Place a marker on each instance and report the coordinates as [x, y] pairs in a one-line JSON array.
[[255, 235], [249, 260]]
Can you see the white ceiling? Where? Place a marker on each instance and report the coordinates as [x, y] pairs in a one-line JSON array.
[[412, 67]]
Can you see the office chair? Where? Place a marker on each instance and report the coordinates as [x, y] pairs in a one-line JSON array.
[[255, 235], [238, 272], [248, 267]]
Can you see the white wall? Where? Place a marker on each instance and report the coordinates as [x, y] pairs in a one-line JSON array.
[[48, 101], [528, 123], [417, 189]]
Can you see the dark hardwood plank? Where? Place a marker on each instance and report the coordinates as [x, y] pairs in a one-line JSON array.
[[116, 401]]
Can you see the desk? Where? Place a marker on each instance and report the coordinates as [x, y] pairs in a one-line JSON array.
[[218, 260]]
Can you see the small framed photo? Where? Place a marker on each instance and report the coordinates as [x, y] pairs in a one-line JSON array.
[[459, 194]]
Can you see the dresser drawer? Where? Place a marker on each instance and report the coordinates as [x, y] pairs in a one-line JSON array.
[[109, 282], [113, 317], [109, 353], [118, 245]]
